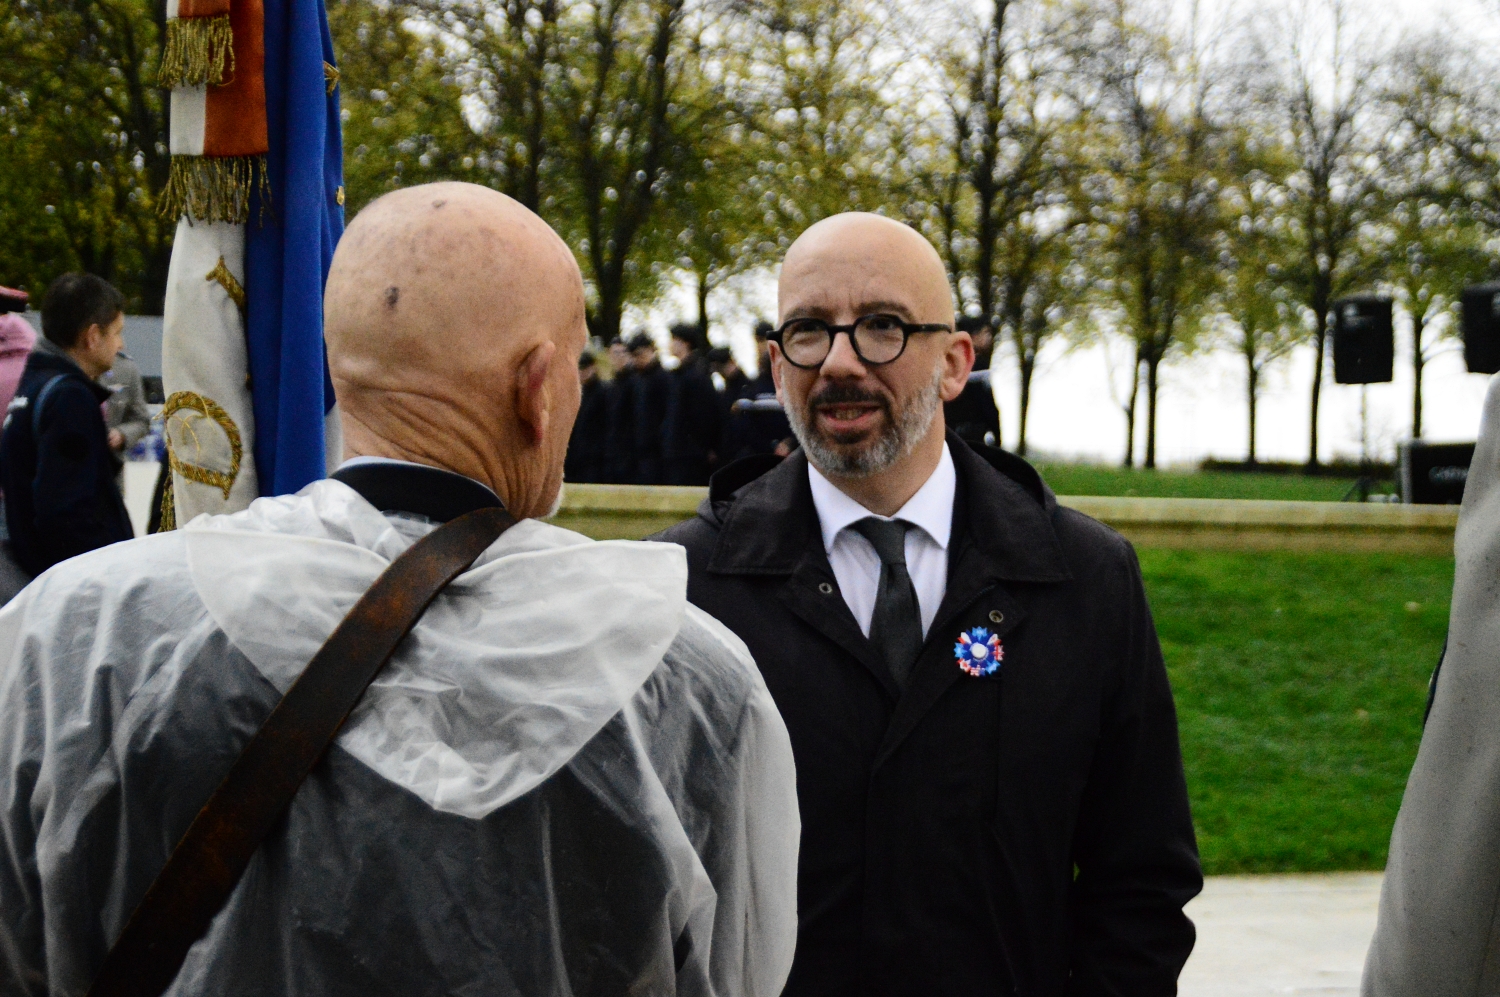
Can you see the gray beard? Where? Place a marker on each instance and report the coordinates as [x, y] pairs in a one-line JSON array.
[[907, 428]]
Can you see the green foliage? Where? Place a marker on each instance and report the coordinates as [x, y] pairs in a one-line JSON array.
[[84, 157], [402, 118], [1300, 682]]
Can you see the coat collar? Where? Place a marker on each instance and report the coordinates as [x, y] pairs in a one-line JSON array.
[[767, 524]]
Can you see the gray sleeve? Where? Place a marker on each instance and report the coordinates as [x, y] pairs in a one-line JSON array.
[[1438, 932], [22, 946], [127, 409]]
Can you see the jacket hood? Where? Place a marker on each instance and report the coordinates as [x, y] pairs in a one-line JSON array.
[[512, 670]]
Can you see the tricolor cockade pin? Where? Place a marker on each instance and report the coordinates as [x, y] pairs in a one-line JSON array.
[[978, 652]]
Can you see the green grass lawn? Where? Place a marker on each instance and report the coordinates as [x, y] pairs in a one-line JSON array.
[[1300, 682], [1092, 479]]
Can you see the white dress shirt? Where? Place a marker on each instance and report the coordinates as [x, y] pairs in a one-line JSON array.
[[856, 566]]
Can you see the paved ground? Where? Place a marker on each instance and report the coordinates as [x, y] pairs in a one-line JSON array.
[[1260, 936]]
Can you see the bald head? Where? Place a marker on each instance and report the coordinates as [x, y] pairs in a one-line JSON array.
[[865, 259], [874, 427], [454, 318]]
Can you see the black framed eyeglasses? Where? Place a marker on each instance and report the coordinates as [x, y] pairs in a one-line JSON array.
[[877, 339]]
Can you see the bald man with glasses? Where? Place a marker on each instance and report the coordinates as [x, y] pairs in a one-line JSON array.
[[988, 769]]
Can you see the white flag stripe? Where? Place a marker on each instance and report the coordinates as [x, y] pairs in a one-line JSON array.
[[189, 109], [204, 360]]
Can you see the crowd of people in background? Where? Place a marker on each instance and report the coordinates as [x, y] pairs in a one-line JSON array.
[[641, 423], [647, 425]]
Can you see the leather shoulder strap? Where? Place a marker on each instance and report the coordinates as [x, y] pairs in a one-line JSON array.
[[209, 860]]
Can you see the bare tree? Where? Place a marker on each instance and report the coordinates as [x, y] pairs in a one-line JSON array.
[[1153, 188], [1320, 84]]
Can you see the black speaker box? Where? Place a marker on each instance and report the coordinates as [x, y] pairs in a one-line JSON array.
[[1481, 307], [1434, 473], [1364, 340]]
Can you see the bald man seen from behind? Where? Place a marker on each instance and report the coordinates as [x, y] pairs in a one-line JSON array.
[[568, 780], [988, 770]]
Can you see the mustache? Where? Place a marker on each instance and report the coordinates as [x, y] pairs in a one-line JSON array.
[[846, 394]]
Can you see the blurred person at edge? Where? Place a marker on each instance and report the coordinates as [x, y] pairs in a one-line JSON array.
[[973, 415], [1438, 931], [567, 781], [126, 414], [17, 340], [619, 434], [57, 469], [586, 448], [988, 769], [651, 393], [692, 423]]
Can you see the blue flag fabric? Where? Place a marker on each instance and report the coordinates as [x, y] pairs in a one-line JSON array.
[[288, 247]]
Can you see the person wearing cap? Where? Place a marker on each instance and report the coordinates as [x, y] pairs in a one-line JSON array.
[[988, 768], [693, 426], [586, 447], [651, 393], [619, 437], [57, 468]]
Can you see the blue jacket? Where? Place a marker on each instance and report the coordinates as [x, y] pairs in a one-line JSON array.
[[56, 467]]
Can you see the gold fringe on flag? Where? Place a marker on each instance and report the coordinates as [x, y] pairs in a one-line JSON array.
[[214, 188], [198, 50]]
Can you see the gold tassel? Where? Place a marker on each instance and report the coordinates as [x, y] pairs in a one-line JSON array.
[[198, 50], [168, 506], [214, 188]]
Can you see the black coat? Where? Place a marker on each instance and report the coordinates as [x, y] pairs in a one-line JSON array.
[[651, 393], [588, 446], [942, 827], [619, 446], [693, 425], [60, 493]]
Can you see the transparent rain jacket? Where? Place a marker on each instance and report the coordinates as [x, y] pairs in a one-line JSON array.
[[567, 781]]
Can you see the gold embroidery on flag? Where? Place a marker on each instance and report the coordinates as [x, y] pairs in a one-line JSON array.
[[338, 195], [331, 76], [214, 188], [226, 280], [192, 408], [198, 50], [168, 521]]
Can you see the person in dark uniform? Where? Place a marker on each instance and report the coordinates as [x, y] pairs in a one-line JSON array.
[[619, 450], [988, 768], [693, 424], [651, 392], [57, 469], [757, 426], [586, 447], [973, 415]]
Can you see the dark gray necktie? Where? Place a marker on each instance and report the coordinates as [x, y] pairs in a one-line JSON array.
[[896, 627]]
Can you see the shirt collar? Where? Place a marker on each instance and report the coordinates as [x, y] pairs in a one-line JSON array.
[[931, 508]]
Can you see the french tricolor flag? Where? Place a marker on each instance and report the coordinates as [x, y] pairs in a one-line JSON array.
[[256, 183]]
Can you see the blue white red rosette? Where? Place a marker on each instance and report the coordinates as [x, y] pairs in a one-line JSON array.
[[978, 652]]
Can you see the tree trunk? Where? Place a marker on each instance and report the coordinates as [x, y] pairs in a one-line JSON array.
[[1028, 367], [1153, 365], [1135, 388], [1252, 386], [1320, 342], [703, 289], [1416, 369]]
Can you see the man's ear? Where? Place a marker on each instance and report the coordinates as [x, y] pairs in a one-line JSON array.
[[773, 355], [958, 363], [533, 394]]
